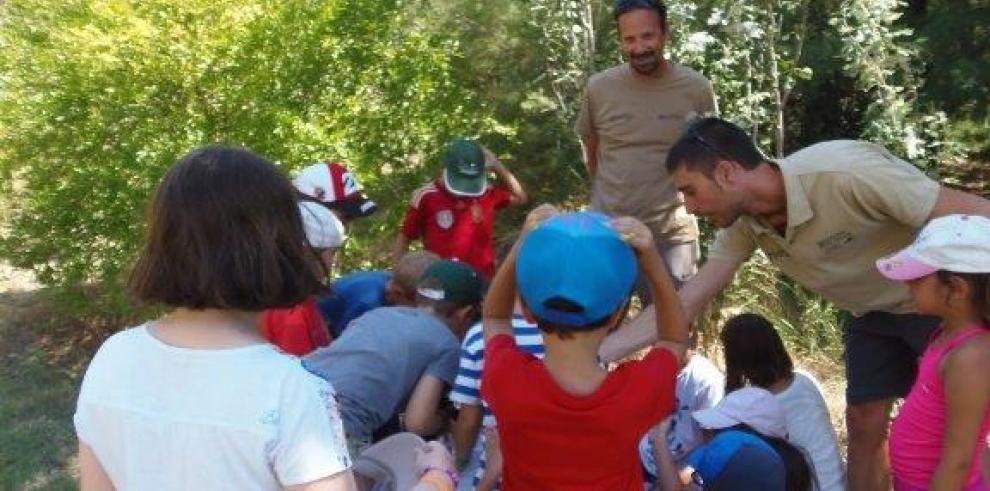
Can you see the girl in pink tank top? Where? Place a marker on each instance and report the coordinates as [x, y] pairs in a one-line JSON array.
[[939, 439]]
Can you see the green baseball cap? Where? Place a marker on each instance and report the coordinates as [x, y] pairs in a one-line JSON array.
[[464, 168], [450, 281]]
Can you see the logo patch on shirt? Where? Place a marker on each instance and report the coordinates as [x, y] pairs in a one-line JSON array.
[[445, 219], [835, 241], [270, 418]]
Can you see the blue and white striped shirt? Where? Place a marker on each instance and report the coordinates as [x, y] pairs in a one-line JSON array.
[[467, 386]]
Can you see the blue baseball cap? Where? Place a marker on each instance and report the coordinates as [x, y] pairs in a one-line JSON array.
[[580, 258], [737, 461]]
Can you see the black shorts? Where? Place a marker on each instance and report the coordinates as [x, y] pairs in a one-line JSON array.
[[882, 351]]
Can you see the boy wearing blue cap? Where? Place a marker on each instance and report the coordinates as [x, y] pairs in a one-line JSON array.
[[565, 422]]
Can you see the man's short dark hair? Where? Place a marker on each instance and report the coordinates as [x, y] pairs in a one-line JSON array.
[[224, 232], [709, 140], [625, 6]]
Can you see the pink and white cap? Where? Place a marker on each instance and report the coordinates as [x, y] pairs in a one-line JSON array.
[[957, 243], [752, 406]]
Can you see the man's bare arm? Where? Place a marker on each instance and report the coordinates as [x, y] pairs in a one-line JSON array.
[[589, 143], [951, 201], [639, 333]]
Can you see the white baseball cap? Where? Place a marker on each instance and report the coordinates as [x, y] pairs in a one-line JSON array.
[[957, 243], [752, 406], [323, 229]]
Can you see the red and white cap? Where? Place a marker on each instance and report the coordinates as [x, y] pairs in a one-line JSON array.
[[752, 406], [956, 243], [334, 185]]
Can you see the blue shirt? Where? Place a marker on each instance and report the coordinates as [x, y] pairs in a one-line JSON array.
[[351, 296]]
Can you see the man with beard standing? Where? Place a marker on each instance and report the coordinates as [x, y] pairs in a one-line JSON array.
[[630, 117]]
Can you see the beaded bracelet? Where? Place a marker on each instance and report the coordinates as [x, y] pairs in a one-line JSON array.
[[451, 478]]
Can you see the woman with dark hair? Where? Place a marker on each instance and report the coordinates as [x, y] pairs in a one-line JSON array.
[[755, 356]]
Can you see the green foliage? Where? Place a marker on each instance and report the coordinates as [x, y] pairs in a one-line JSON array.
[[99, 98]]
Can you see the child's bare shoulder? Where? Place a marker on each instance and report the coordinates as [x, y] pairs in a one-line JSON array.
[[974, 354]]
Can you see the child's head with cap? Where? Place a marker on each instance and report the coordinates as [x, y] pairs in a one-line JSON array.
[[575, 273], [452, 290], [947, 267], [334, 186], [750, 449]]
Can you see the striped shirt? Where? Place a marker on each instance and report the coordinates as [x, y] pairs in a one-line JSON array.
[[467, 386]]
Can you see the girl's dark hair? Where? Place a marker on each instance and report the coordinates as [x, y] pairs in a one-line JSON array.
[[979, 283], [754, 353], [799, 475], [224, 232]]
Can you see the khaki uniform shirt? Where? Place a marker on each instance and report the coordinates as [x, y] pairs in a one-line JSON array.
[[637, 121], [849, 203]]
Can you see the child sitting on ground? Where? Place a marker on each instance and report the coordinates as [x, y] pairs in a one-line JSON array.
[[700, 385], [396, 360], [755, 355], [940, 435], [565, 422], [745, 449]]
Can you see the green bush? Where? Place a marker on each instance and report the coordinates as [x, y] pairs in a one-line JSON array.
[[98, 98]]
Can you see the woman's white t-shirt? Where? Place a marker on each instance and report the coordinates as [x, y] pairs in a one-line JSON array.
[[810, 428], [160, 417]]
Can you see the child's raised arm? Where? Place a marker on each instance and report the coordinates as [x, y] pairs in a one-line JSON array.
[[501, 298], [672, 327]]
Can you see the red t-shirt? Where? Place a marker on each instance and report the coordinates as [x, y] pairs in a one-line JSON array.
[[456, 227], [298, 329], [554, 440]]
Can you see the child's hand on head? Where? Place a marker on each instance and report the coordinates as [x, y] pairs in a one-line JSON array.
[[539, 215], [637, 235]]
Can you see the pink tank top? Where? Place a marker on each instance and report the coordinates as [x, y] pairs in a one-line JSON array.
[[917, 433]]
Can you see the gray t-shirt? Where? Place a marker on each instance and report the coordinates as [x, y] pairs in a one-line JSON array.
[[376, 362]]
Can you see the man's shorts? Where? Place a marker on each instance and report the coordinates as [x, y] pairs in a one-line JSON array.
[[681, 260], [882, 351]]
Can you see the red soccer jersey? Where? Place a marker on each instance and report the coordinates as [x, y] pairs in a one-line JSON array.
[[554, 440], [298, 329], [456, 227]]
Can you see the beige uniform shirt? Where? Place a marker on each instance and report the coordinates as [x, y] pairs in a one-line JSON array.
[[848, 204], [637, 121]]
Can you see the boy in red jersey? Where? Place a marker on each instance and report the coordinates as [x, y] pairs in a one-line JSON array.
[[565, 422], [454, 215]]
